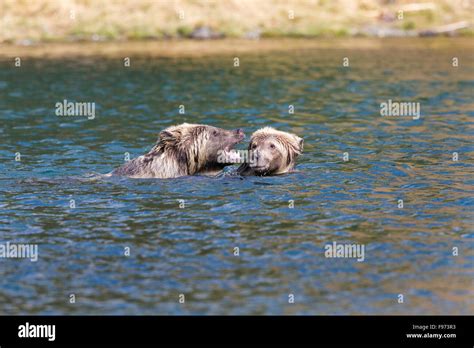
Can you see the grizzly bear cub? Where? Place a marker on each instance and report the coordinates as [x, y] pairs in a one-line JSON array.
[[271, 152], [186, 149]]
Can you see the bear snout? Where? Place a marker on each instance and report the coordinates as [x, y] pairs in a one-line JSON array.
[[240, 133]]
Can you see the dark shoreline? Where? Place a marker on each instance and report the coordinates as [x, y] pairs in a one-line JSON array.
[[196, 48]]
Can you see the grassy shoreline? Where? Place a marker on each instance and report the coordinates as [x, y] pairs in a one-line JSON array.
[[45, 21]]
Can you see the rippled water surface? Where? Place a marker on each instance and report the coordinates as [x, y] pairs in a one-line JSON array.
[[190, 251]]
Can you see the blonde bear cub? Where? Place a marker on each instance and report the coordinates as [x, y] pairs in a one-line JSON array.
[[272, 152]]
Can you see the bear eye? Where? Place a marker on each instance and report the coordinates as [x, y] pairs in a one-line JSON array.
[[254, 146], [214, 133], [272, 146]]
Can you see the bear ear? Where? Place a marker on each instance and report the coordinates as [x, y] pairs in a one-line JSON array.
[[168, 137], [298, 144], [301, 143]]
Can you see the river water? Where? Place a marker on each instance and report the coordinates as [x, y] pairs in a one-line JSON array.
[[83, 225]]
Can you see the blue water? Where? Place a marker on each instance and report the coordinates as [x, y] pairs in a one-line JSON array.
[[190, 250]]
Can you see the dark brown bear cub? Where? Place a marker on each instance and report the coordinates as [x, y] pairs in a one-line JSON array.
[[186, 149]]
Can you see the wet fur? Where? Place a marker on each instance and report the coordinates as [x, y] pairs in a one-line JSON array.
[[179, 151], [290, 146]]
